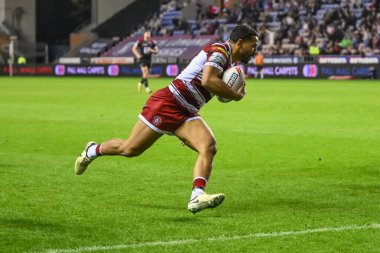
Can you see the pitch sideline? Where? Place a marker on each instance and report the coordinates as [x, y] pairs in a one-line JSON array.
[[220, 238]]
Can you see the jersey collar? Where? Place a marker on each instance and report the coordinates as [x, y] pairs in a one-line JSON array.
[[230, 51]]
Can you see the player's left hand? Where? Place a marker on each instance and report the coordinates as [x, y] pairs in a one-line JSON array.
[[242, 90]]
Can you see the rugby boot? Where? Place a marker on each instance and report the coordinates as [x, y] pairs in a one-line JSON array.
[[204, 200], [139, 87], [83, 160]]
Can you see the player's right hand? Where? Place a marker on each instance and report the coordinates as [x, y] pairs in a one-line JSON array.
[[241, 91]]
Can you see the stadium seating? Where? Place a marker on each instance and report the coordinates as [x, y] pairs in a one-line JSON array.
[[285, 27], [168, 17], [128, 20]]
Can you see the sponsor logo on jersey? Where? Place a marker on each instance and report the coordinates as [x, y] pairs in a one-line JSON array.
[[232, 79], [217, 58], [156, 120]]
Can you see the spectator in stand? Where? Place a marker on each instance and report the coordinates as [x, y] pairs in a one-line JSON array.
[[313, 48], [224, 33], [334, 20], [21, 59], [212, 11], [198, 9]]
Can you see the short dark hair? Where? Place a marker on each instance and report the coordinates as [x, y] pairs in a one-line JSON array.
[[242, 32]]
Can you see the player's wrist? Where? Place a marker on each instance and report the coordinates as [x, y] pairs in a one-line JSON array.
[[238, 96]]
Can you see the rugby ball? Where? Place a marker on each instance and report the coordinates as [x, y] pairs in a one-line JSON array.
[[233, 77]]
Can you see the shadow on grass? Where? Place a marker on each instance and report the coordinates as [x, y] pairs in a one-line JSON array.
[[156, 206], [35, 224]]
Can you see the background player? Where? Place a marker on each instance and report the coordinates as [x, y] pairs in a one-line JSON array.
[[259, 62], [174, 110], [143, 50]]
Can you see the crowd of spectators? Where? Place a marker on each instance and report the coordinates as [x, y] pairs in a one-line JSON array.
[[292, 27]]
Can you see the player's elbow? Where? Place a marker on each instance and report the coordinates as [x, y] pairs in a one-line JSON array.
[[206, 82]]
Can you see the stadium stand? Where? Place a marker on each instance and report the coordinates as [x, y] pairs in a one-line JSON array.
[[172, 49], [286, 27], [5, 28], [299, 28], [127, 20], [169, 17], [120, 25], [91, 48]]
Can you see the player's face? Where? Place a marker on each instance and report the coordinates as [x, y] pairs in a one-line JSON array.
[[248, 49], [147, 36]]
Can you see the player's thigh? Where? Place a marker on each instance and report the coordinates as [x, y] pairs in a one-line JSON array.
[[197, 135], [141, 137], [144, 70]]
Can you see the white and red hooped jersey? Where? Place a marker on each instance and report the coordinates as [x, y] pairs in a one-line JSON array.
[[187, 87]]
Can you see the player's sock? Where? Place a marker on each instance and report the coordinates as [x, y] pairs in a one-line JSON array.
[[144, 82], [199, 185], [195, 192], [94, 151]]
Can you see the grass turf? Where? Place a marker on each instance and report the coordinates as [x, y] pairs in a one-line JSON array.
[[293, 155]]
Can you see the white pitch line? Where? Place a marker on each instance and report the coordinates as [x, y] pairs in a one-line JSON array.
[[220, 238]]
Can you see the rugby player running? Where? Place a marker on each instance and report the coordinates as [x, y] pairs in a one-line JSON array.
[[173, 110]]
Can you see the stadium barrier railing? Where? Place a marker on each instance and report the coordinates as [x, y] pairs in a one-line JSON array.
[[323, 67]]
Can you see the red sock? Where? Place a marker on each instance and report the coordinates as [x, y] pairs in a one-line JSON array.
[[97, 150], [199, 182]]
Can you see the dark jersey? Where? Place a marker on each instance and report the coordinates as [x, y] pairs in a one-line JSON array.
[[144, 46]]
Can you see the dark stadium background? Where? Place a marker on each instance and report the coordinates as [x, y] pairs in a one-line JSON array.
[[299, 39], [298, 157], [57, 19]]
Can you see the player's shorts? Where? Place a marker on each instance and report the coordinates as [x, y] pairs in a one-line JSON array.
[[163, 113], [259, 67], [145, 63]]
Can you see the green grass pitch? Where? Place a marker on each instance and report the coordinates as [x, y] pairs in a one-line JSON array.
[[298, 160]]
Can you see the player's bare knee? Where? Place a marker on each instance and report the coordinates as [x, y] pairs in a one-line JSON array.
[[209, 148], [213, 149]]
